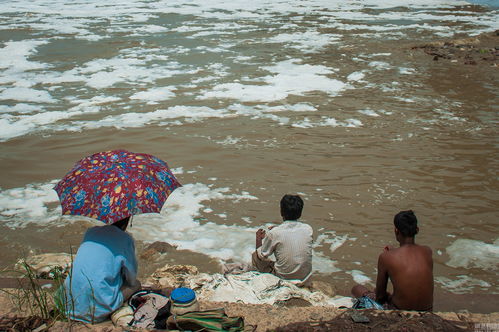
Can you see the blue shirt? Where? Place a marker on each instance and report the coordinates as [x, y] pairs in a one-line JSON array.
[[104, 262]]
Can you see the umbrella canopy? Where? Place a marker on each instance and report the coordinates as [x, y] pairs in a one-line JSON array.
[[113, 185]]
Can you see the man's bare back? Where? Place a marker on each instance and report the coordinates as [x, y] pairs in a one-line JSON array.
[[410, 269]]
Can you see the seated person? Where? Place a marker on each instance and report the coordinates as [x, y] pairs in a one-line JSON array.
[[290, 243], [409, 267], [104, 274]]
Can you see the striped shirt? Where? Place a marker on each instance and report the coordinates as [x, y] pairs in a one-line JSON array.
[[291, 244]]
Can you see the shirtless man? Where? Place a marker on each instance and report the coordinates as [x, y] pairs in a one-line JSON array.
[[409, 267]]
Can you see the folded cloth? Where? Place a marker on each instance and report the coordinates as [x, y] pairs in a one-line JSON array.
[[366, 302]]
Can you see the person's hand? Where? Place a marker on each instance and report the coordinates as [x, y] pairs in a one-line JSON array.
[[260, 234], [387, 248]]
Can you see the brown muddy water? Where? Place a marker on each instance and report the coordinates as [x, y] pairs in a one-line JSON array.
[[247, 102]]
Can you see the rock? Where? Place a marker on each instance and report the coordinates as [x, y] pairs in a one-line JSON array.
[[171, 276], [465, 42], [161, 247], [149, 254], [324, 287], [46, 266], [152, 251]]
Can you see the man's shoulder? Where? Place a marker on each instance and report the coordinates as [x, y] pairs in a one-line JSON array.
[[422, 249], [427, 250], [292, 225], [403, 251]]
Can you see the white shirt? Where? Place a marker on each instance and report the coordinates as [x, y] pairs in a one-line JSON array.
[[291, 244]]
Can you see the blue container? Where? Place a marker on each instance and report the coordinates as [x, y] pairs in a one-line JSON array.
[[183, 300], [182, 295]]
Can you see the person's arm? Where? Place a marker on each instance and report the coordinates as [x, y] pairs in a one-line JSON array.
[[130, 267], [382, 279], [260, 234], [267, 247]]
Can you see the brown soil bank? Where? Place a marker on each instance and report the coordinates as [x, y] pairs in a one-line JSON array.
[[283, 318]]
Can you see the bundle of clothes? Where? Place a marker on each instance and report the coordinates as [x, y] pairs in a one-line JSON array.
[[179, 311]]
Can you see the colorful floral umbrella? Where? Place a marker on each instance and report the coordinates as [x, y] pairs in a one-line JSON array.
[[113, 185]]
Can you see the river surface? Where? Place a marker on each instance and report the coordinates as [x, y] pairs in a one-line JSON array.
[[248, 101]]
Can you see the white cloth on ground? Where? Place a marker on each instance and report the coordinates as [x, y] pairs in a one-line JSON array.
[[257, 288]]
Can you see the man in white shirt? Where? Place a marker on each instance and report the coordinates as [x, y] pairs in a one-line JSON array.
[[290, 243]]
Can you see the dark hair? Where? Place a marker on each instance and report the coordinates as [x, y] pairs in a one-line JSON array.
[[122, 224], [291, 207], [406, 222]]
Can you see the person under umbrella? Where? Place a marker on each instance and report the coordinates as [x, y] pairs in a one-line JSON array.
[[110, 186]]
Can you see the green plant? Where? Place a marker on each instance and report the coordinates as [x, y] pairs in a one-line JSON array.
[[36, 298], [31, 296]]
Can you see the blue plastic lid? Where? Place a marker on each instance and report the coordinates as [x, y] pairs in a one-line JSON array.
[[182, 295]]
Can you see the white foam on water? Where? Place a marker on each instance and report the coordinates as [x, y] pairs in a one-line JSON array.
[[327, 122], [462, 284], [83, 104], [280, 85], [136, 119], [320, 262], [331, 238], [177, 170], [45, 22], [19, 108], [155, 94], [229, 140], [465, 253], [149, 28], [309, 41], [243, 58], [380, 65], [369, 112], [18, 125], [359, 277], [262, 111], [84, 14], [22, 206], [406, 71], [24, 94], [448, 115], [130, 66], [356, 76], [14, 57], [14, 126]]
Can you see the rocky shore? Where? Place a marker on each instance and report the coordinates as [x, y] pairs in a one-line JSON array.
[[478, 50]]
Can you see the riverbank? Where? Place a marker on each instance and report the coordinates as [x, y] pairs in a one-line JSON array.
[[292, 312], [264, 317]]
